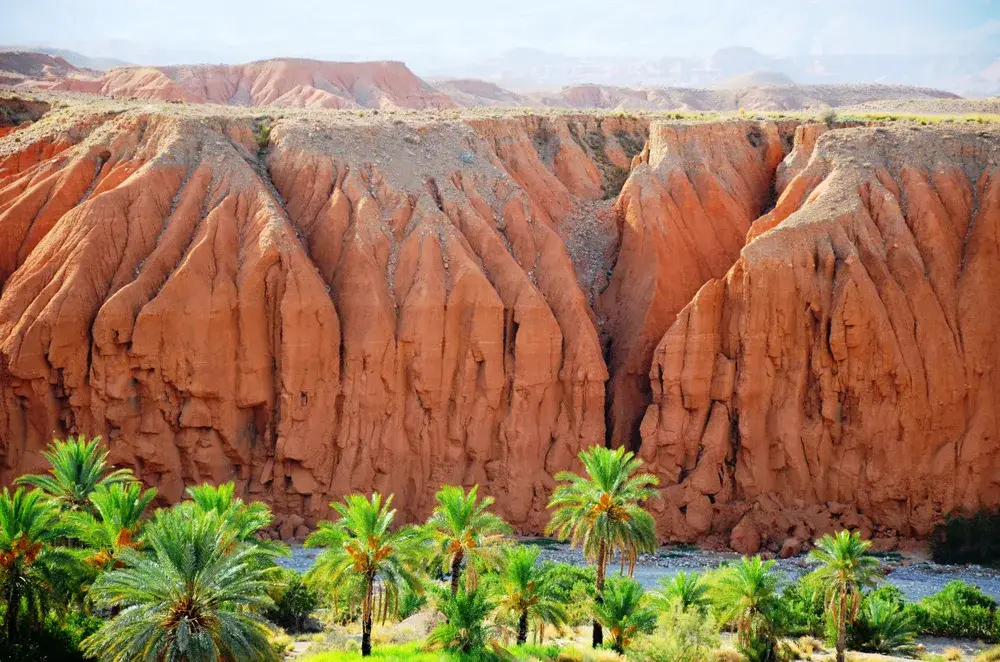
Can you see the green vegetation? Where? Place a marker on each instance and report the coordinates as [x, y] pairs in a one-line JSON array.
[[79, 467], [686, 588], [90, 570], [623, 613], [362, 544], [198, 595], [528, 592], [603, 512], [465, 531], [960, 610], [845, 571], [968, 539], [747, 599]]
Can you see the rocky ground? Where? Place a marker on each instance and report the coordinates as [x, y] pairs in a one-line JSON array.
[[916, 577]]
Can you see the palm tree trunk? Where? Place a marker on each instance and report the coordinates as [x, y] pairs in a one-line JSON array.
[[13, 607], [456, 571], [602, 553], [522, 628], [842, 627], [366, 619]]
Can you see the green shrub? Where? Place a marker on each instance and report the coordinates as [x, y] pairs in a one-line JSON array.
[[960, 610], [829, 117], [294, 601], [410, 602], [882, 626], [968, 539], [801, 610], [574, 588], [682, 635], [55, 641]]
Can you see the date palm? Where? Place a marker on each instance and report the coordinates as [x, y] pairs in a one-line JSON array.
[[246, 519], [30, 528], [466, 629], [362, 544], [685, 588], [527, 592], [747, 598], [466, 532], [116, 523], [79, 466], [624, 613], [845, 570], [198, 594], [602, 512]]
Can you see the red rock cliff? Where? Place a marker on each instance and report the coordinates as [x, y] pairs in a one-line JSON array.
[[357, 303], [842, 372]]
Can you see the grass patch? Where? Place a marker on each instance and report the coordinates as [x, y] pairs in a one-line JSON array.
[[411, 652]]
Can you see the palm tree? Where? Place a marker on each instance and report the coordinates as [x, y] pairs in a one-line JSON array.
[[361, 543], [685, 588], [845, 570], [466, 629], [79, 466], [603, 513], [747, 596], [622, 611], [466, 531], [884, 627], [199, 594], [246, 519], [119, 510], [527, 592], [29, 530]]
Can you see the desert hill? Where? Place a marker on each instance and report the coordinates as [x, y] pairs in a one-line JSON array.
[[24, 66], [287, 82], [794, 325], [301, 83]]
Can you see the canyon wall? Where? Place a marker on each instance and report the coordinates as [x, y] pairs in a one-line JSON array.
[[842, 372], [319, 304]]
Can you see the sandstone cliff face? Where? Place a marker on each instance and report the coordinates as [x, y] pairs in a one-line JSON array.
[[842, 372], [361, 306], [361, 303]]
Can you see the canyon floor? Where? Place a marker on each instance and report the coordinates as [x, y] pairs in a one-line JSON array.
[[791, 323]]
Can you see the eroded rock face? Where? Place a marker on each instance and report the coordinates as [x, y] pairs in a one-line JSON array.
[[357, 304], [842, 372]]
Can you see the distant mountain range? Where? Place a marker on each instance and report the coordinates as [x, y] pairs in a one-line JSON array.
[[720, 83], [528, 70]]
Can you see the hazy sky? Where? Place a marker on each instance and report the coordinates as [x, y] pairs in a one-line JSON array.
[[431, 32]]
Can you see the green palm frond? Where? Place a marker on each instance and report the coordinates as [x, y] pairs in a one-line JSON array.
[[467, 629], [685, 588], [198, 594], [362, 543], [464, 529], [845, 568], [115, 522], [525, 589], [747, 598], [79, 466], [605, 506], [32, 566], [623, 612], [246, 519]]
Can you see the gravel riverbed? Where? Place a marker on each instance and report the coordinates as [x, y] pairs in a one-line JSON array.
[[916, 578]]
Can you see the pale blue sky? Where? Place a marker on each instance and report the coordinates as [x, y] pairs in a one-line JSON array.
[[426, 34]]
